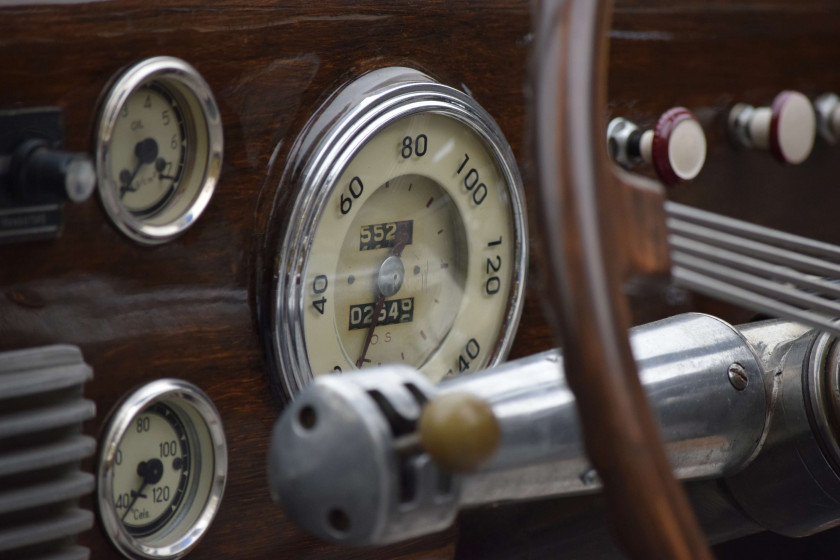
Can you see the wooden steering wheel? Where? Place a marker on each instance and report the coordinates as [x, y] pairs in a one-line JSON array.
[[602, 227]]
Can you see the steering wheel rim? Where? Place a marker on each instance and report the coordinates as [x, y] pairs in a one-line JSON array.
[[601, 226]]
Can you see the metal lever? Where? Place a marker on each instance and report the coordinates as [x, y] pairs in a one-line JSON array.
[[338, 468]]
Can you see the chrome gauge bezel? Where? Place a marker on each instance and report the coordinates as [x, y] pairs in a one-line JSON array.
[[334, 136], [185, 84], [177, 541]]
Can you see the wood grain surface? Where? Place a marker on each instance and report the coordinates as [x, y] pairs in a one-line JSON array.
[[189, 309]]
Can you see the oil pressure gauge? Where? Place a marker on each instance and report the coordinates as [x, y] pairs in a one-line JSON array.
[[162, 470], [159, 149], [407, 241]]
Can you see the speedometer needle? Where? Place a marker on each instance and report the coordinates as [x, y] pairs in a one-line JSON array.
[[396, 251]]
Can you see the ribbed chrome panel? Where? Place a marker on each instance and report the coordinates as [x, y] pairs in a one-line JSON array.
[[53, 415], [41, 446], [71, 449], [71, 486], [15, 540]]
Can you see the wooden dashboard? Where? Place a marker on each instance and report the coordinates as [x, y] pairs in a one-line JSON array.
[[189, 309]]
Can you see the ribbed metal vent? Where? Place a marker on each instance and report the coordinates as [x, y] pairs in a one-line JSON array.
[[41, 447]]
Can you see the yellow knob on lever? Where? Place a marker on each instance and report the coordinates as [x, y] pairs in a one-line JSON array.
[[459, 431]]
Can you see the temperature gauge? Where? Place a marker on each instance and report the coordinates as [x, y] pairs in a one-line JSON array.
[[162, 470]]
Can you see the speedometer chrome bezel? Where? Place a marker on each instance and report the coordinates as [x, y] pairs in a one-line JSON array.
[[188, 86], [182, 394], [331, 140]]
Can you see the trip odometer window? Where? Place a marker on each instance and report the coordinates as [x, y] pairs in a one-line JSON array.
[[407, 241]]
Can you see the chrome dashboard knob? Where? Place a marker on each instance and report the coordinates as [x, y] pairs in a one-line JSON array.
[[786, 128], [828, 116], [675, 146]]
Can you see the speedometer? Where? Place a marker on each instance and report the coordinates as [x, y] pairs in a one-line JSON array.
[[407, 242]]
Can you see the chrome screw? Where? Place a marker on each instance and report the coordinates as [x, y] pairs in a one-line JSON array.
[[589, 477], [738, 376]]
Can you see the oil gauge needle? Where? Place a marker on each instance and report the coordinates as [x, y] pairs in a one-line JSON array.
[[146, 151], [160, 165], [393, 256]]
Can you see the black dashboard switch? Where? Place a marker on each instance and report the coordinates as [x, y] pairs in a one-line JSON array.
[[40, 174]]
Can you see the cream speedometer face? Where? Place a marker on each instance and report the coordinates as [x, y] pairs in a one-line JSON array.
[[422, 288], [411, 248], [445, 242]]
